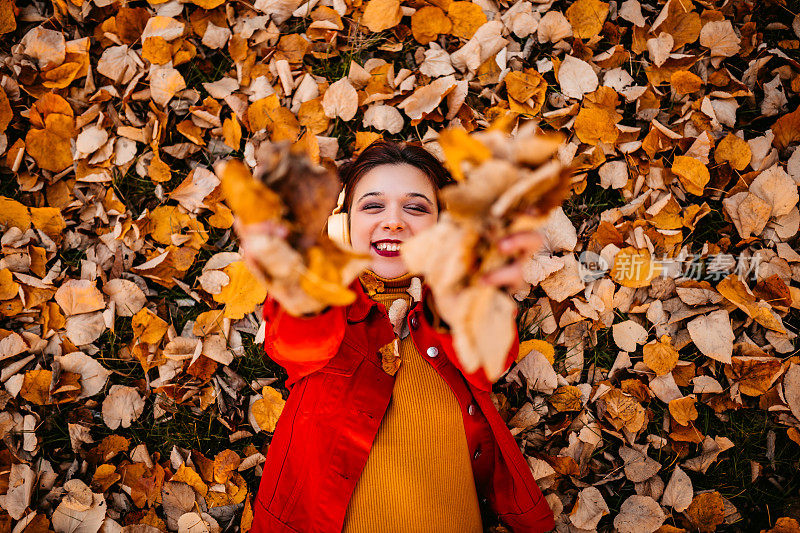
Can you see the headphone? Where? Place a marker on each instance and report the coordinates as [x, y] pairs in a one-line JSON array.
[[339, 223]]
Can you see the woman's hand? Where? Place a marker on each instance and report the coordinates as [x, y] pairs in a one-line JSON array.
[[251, 239], [521, 246]]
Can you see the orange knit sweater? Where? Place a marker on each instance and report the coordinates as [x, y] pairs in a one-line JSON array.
[[418, 477]]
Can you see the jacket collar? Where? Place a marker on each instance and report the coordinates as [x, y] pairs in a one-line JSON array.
[[363, 304]]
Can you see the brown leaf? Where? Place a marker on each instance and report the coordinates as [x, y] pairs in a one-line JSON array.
[[707, 511]]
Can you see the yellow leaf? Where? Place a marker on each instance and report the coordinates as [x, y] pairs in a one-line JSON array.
[[566, 398], [660, 356], [14, 214], [250, 200], [623, 410], [36, 386], [587, 17], [754, 375], [525, 84], [158, 170], [50, 147], [692, 173], [232, 132], [683, 410], [323, 280], [541, 346], [148, 327], [735, 291], [222, 217], [634, 267], [595, 125], [157, 50], [381, 15], [364, 139], [685, 82], [458, 146], [105, 476], [50, 221], [467, 18], [259, 113], [8, 287], [194, 133], [6, 114], [735, 151], [208, 4], [284, 125], [267, 409], [243, 293], [428, 22], [171, 225], [186, 474], [312, 116]]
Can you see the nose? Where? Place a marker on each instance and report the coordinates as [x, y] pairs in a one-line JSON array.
[[394, 220], [393, 225]]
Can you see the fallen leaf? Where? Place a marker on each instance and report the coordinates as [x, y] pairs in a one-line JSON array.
[[122, 406], [692, 174], [713, 335], [587, 18], [706, 512], [265, 411], [381, 15], [639, 514]]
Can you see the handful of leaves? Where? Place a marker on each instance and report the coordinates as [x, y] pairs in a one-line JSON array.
[[291, 198], [505, 184]]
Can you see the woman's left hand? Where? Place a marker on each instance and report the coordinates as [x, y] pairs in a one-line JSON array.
[[522, 246]]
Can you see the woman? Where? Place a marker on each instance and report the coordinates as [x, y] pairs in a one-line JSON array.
[[366, 446]]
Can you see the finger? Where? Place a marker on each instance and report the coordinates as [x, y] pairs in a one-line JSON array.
[[507, 276], [528, 241]]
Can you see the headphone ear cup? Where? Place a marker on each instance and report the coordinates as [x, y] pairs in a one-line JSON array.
[[338, 230]]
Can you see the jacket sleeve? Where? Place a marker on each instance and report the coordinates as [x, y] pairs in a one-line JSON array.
[[302, 345]]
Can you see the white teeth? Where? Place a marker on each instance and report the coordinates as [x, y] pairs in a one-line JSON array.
[[387, 247]]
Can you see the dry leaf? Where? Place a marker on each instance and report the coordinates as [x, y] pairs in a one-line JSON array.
[[589, 508], [576, 77], [380, 15], [706, 512], [639, 514], [586, 18], [122, 406], [679, 491], [265, 411], [692, 174], [713, 335]]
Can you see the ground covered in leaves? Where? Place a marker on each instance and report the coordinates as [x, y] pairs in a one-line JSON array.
[[658, 387]]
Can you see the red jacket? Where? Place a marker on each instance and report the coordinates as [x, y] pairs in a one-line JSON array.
[[339, 394]]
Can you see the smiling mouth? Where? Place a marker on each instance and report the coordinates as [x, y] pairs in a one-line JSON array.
[[386, 249]]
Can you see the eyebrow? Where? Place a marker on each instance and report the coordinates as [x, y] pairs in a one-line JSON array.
[[409, 195]]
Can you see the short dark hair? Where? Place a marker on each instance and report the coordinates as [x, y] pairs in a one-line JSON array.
[[390, 153]]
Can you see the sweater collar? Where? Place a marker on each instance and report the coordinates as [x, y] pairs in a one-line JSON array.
[[363, 304]]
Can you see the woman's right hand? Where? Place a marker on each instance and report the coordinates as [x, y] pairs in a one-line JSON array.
[[251, 239]]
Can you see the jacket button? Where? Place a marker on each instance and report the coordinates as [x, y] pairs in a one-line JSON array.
[[432, 351], [471, 409], [414, 321]]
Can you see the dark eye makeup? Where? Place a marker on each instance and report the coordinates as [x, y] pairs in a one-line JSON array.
[[419, 208]]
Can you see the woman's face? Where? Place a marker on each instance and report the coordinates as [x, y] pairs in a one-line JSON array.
[[391, 203]]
